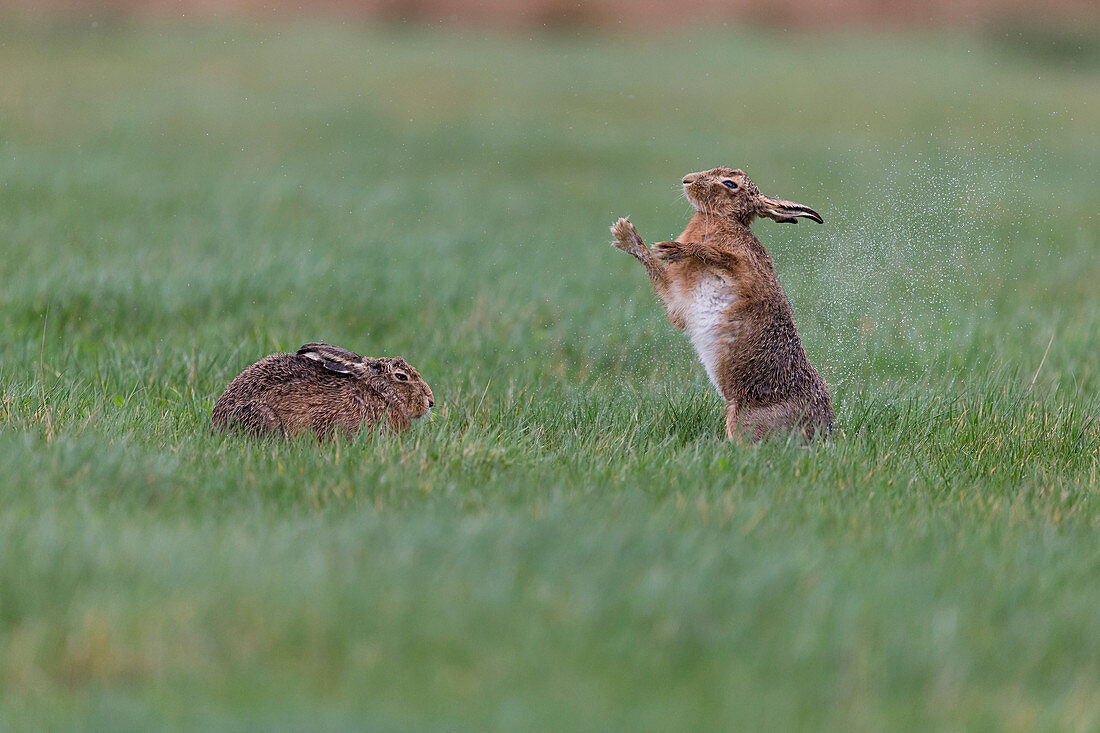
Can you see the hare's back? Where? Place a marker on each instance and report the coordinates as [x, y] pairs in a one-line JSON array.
[[284, 374], [268, 372]]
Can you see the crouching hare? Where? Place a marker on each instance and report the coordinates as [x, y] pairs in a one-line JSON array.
[[719, 284], [322, 388]]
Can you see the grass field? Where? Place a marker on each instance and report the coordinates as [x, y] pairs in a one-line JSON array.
[[569, 543]]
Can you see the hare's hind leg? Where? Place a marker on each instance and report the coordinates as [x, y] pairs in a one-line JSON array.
[[735, 429], [760, 423], [255, 418]]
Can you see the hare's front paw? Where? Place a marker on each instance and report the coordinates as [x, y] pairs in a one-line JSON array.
[[670, 251], [626, 237]]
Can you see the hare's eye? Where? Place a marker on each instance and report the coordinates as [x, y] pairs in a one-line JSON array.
[[401, 376], [731, 185]]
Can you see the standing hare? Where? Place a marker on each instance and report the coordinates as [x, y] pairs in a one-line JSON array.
[[322, 388], [719, 284]]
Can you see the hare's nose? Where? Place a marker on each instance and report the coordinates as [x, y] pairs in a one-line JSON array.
[[688, 179], [431, 403]]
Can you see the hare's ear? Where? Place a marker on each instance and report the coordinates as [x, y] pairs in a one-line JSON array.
[[785, 211], [334, 358]]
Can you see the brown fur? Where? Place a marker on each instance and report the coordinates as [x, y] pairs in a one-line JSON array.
[[718, 282], [322, 388]]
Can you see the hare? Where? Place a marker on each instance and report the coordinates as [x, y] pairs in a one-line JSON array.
[[322, 388], [719, 284]]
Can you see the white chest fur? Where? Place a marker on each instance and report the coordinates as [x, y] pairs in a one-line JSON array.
[[705, 307]]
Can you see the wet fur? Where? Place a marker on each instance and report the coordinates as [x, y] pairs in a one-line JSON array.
[[323, 389], [718, 282]]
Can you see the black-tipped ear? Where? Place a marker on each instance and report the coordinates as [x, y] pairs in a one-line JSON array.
[[785, 211], [334, 358]]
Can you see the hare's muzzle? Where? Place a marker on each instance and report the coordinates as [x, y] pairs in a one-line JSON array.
[[692, 191]]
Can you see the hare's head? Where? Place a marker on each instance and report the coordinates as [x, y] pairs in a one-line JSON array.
[[402, 386], [729, 193]]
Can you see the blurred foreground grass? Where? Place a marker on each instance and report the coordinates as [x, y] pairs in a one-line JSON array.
[[568, 543]]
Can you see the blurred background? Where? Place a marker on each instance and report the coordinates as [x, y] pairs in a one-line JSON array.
[[634, 14]]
